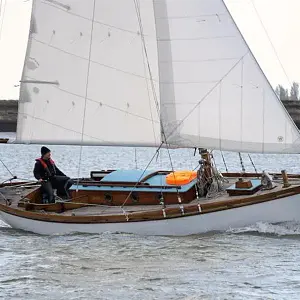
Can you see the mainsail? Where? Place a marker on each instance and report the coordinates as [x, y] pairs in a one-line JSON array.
[[129, 72], [86, 79]]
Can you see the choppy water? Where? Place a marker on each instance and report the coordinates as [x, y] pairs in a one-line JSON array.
[[257, 262]]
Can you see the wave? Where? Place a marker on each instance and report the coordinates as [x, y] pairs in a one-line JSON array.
[[2, 224], [277, 229]]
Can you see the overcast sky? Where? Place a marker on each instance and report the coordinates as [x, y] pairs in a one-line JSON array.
[[281, 19]]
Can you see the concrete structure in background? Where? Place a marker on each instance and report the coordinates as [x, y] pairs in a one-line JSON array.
[[293, 107], [9, 111], [8, 115]]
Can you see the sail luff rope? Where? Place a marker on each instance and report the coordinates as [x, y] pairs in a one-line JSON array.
[[137, 7], [86, 93]]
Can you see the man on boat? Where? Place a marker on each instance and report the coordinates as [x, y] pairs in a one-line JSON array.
[[50, 176]]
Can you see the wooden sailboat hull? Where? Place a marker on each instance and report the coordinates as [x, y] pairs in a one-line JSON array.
[[278, 210]]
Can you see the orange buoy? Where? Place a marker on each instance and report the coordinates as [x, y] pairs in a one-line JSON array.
[[181, 177]]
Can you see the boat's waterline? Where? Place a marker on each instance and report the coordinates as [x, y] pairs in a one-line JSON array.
[[279, 210]]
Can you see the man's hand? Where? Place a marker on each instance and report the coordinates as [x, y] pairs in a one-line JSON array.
[[40, 180]]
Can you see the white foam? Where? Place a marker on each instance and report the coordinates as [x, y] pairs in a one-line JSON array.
[[2, 224], [282, 229]]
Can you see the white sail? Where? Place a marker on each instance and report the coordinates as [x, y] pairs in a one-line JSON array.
[[86, 78], [213, 93]]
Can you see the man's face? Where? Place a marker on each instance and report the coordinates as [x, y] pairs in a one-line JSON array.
[[47, 156]]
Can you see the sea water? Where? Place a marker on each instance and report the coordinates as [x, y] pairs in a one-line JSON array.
[[256, 262]]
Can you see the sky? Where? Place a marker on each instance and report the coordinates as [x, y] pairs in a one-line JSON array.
[[277, 49]]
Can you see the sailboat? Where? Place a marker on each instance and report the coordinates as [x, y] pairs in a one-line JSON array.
[[163, 74]]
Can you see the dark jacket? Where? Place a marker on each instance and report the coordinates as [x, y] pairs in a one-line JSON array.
[[52, 170]]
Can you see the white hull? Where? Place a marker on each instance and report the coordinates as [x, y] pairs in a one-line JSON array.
[[280, 210]]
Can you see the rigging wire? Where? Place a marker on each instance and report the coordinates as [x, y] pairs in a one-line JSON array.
[[2, 4], [207, 94], [141, 176], [161, 195], [148, 92], [252, 163], [270, 41], [13, 176], [224, 161], [86, 94], [242, 164], [135, 158], [137, 7]]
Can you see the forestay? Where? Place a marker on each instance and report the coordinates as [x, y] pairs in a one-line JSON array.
[[86, 78]]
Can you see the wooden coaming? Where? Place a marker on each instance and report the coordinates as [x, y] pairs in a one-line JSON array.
[[134, 198]]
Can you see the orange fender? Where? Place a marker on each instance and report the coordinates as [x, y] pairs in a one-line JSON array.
[[181, 177]]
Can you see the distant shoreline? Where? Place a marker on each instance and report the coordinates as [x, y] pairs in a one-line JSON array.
[[9, 114]]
